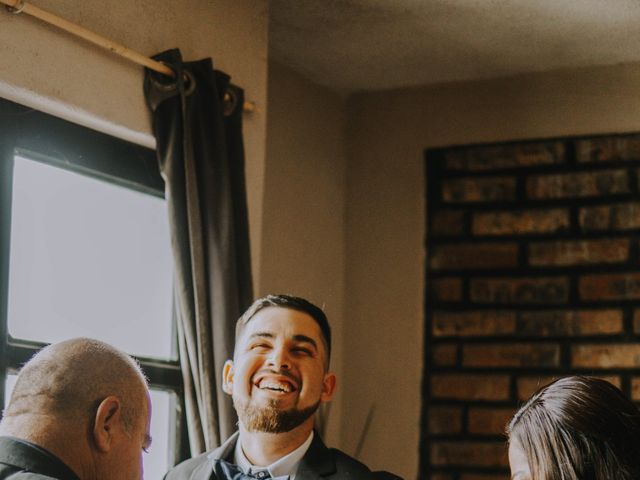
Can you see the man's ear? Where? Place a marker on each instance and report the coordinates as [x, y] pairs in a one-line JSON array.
[[328, 387], [106, 422], [227, 377]]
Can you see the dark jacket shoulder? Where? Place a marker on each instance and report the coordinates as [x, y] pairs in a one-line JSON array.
[[319, 462]]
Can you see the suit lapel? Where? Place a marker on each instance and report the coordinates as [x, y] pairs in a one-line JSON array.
[[318, 462], [224, 451]]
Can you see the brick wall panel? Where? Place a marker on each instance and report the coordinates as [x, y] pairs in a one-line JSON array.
[[611, 355], [505, 156], [443, 420], [610, 286], [470, 386], [444, 355], [565, 323], [521, 222], [608, 149], [481, 255], [469, 454], [448, 222], [533, 290], [635, 389], [578, 185], [616, 217], [479, 323], [578, 252], [489, 421], [511, 355], [479, 189], [446, 289], [533, 273]]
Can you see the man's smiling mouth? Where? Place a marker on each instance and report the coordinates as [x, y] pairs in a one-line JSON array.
[[275, 385]]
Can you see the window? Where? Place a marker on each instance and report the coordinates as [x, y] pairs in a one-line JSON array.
[[85, 251]]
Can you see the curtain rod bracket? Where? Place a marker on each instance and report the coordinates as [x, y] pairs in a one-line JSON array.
[[17, 8]]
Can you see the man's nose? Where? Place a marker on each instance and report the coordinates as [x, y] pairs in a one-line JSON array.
[[279, 359]]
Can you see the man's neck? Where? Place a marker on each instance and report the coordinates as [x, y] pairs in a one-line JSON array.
[[263, 449], [45, 433]]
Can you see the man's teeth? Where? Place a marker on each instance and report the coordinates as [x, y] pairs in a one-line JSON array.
[[276, 386]]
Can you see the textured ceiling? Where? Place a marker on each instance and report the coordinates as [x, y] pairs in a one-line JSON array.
[[351, 45]]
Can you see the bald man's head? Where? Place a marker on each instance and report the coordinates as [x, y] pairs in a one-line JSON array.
[[69, 379]]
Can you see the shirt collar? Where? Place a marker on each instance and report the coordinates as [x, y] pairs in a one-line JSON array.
[[283, 467]]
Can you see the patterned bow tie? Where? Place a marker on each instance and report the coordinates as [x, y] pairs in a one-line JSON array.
[[229, 471]]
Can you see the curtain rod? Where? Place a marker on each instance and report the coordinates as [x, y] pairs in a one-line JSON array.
[[20, 6]]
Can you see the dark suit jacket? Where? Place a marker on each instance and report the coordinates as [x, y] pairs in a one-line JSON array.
[[21, 460], [319, 463]]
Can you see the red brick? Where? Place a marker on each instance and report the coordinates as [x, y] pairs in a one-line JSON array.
[[445, 419], [541, 290], [527, 386], [447, 222], [610, 286], [469, 454], [635, 389], [476, 323], [578, 252], [623, 216], [611, 355], [489, 421], [447, 289], [511, 355], [520, 222], [636, 321], [569, 323], [505, 156], [483, 189], [470, 386], [444, 355], [608, 149], [474, 255], [577, 185]]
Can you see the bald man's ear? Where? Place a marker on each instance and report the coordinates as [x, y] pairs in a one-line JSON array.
[[227, 377], [107, 422]]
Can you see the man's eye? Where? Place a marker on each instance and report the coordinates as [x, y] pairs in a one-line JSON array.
[[303, 351]]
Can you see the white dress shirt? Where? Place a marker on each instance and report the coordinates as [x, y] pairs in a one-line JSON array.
[[281, 469]]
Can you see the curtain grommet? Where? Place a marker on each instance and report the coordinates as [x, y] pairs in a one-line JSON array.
[[229, 102], [18, 8]]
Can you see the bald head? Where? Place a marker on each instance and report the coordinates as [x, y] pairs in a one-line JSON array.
[[68, 380]]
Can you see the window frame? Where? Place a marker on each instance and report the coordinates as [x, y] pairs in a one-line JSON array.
[[33, 134]]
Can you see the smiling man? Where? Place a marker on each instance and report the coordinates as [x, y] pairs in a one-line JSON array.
[[278, 378]]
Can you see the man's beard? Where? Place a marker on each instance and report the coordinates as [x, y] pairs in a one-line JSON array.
[[270, 419]]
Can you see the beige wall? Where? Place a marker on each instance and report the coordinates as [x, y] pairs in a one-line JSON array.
[[49, 70], [303, 244], [386, 136]]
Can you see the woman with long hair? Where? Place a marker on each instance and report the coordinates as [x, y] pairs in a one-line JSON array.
[[576, 428]]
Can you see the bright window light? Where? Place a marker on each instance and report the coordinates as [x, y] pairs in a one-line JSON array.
[[89, 258]]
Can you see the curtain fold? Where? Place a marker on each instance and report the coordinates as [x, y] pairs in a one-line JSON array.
[[201, 157]]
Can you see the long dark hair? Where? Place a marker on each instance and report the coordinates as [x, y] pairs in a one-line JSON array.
[[579, 428]]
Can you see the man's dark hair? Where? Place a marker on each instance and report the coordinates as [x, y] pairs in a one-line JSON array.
[[293, 303]]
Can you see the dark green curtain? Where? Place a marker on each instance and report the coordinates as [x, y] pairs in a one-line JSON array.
[[201, 157]]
